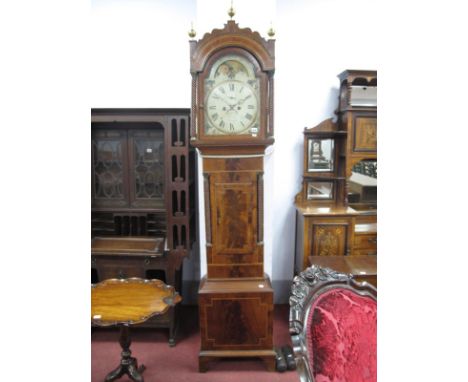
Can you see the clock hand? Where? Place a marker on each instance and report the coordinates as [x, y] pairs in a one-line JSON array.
[[244, 99], [231, 107], [241, 101]]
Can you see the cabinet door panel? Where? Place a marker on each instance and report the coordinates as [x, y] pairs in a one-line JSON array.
[[110, 171], [365, 133], [236, 321], [329, 239], [146, 180]]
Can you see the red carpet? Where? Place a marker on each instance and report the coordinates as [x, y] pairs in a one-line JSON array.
[[180, 363]]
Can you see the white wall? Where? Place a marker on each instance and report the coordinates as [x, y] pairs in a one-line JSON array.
[[140, 58], [316, 40], [139, 53]]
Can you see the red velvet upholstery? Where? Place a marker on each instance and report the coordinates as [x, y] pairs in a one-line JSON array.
[[342, 337]]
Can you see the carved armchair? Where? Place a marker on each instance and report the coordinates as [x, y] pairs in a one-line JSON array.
[[333, 325]]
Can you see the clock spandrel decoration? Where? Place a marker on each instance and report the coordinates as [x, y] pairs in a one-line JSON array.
[[232, 124]]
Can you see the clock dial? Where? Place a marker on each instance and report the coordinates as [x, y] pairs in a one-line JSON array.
[[232, 107], [231, 98]]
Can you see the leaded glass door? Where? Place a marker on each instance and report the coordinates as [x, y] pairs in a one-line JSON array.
[[110, 168], [128, 168], [146, 180]]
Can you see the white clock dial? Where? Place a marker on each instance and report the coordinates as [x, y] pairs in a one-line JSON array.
[[232, 97], [232, 107]]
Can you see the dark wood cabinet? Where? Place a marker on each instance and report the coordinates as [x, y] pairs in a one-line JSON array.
[[143, 192]]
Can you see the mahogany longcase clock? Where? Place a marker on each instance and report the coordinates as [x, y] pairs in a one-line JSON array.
[[232, 124]]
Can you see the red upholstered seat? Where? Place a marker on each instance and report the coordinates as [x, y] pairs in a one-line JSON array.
[[341, 337]]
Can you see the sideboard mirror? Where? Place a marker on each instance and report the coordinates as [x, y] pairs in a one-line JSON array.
[[362, 185], [320, 154], [318, 189]]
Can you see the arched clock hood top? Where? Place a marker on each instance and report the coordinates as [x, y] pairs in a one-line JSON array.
[[232, 36]]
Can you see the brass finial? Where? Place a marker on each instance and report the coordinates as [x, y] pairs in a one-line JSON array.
[[192, 32], [231, 11], [271, 31]]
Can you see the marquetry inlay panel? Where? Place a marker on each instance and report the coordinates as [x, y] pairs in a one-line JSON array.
[[365, 134], [329, 240]]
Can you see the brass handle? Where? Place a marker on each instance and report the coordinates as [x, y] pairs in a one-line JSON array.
[[371, 253], [373, 241], [147, 261]]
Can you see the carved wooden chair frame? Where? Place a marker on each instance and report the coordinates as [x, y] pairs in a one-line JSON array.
[[307, 287]]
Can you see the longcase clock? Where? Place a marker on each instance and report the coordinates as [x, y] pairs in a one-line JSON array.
[[232, 110]]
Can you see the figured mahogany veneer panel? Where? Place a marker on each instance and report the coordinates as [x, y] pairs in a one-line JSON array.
[[232, 164], [235, 271], [365, 131], [234, 224], [232, 187], [236, 319], [241, 325]]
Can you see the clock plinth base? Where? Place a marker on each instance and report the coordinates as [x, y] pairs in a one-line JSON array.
[[268, 357], [236, 320]]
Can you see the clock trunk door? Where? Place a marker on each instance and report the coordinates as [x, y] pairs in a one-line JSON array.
[[234, 222]]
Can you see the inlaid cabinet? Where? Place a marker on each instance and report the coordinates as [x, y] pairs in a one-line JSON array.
[[337, 205]]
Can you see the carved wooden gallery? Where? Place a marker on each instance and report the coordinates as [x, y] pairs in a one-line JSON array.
[[166, 181]]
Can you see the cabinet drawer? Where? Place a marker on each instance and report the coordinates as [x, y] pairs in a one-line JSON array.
[[365, 241], [109, 268], [365, 252]]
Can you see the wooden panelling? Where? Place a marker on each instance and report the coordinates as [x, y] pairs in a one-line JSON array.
[[365, 133], [329, 239], [236, 317], [326, 235], [232, 189]]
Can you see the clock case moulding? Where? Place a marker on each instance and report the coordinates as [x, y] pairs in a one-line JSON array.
[[204, 52]]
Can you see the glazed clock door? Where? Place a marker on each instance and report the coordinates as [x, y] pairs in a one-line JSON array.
[[232, 97]]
